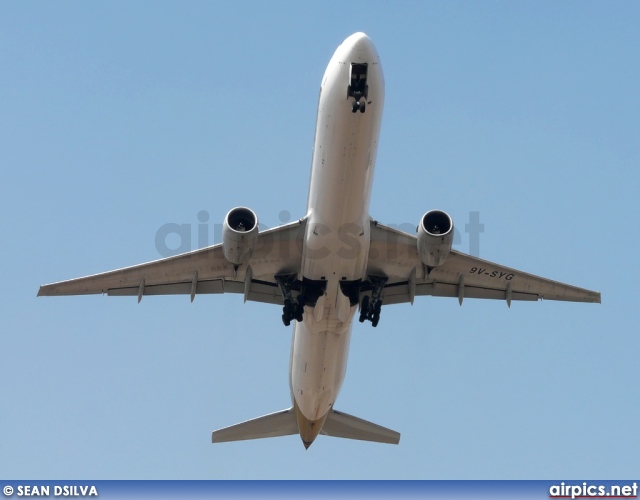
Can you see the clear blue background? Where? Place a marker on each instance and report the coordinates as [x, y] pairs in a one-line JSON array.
[[117, 118]]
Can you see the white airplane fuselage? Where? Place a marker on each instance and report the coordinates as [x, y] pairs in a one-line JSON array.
[[347, 261], [336, 243]]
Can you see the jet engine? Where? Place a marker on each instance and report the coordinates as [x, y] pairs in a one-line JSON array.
[[435, 236], [239, 235]]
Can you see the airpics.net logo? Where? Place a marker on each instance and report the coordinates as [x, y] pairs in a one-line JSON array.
[[175, 238], [58, 490], [586, 490]]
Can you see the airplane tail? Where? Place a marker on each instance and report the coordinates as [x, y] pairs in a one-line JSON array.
[[280, 423], [283, 423], [342, 425]]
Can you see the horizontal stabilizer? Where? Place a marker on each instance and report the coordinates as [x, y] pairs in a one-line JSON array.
[[342, 425], [280, 423]]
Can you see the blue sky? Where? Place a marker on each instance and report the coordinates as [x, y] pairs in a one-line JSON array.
[[117, 118]]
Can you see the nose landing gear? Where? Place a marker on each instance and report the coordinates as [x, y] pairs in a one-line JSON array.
[[358, 89], [357, 105]]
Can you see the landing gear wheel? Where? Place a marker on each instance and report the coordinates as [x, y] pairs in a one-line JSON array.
[[286, 320], [371, 306], [362, 106], [292, 309], [287, 312], [364, 309], [355, 106], [297, 313], [375, 314]]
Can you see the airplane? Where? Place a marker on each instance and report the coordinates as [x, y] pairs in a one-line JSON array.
[[333, 263]]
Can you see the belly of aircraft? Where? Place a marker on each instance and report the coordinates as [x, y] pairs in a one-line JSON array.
[[337, 235], [319, 354]]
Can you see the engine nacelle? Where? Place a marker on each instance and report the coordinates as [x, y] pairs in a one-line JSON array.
[[435, 237], [239, 235]]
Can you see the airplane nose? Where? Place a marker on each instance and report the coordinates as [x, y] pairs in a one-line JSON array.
[[358, 41], [359, 46]]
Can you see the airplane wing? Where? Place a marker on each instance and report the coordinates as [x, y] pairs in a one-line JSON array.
[[393, 254], [278, 251]]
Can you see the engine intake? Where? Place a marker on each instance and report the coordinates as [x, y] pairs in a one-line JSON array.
[[435, 237], [239, 235]]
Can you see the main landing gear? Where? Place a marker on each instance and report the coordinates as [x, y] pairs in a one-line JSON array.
[[370, 307], [293, 308], [308, 292]]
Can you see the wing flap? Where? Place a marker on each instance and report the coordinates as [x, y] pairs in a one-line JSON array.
[[398, 293], [258, 291], [203, 287]]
